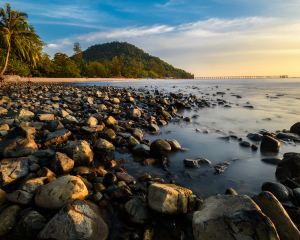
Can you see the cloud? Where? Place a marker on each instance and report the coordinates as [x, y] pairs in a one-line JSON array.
[[216, 46]]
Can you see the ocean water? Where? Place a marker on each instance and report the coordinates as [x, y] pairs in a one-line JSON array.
[[275, 107]]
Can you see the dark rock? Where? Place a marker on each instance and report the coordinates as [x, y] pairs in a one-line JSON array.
[[278, 189], [8, 219], [295, 128], [57, 137], [273, 161], [160, 147], [61, 163], [255, 137], [289, 167], [141, 150], [245, 144], [269, 144]]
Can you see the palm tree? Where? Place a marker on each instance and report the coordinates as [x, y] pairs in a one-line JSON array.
[[18, 36]]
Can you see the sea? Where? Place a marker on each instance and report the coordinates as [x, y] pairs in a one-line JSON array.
[[256, 104]]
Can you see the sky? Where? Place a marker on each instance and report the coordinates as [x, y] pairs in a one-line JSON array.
[[204, 37]]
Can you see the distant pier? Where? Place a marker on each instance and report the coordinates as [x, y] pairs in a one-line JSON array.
[[241, 77]]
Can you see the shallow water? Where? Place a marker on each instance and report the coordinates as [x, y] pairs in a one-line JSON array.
[[276, 107]]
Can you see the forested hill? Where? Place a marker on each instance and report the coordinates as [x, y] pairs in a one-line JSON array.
[[129, 61]]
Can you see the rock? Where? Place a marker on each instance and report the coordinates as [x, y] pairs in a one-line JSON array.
[[55, 99], [104, 150], [137, 210], [138, 134], [80, 151], [24, 114], [231, 191], [46, 117], [296, 192], [58, 137], [255, 137], [122, 176], [2, 197], [295, 128], [25, 193], [110, 134], [110, 121], [115, 101], [62, 164], [274, 210], [29, 225], [4, 127], [102, 107], [136, 113], [230, 217], [278, 189], [70, 119], [160, 147], [245, 144], [90, 100], [141, 150], [289, 167], [269, 144], [17, 143], [274, 161], [92, 121], [190, 163], [168, 198], [154, 128], [78, 220], [8, 219], [132, 141], [175, 145], [288, 136], [109, 179], [3, 111], [63, 190], [13, 169]]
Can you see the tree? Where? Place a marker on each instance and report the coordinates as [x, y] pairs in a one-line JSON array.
[[65, 66], [95, 69], [19, 37]]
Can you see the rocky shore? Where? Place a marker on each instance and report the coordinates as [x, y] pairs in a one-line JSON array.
[[60, 179]]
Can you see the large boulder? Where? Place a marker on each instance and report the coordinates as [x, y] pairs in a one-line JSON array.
[[78, 220], [17, 143], [269, 144], [270, 206], [295, 128], [168, 198], [278, 189], [231, 217], [63, 190], [137, 210], [80, 151], [289, 167], [160, 147], [13, 169], [8, 219]]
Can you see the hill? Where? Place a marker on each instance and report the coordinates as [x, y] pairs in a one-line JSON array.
[[124, 59]]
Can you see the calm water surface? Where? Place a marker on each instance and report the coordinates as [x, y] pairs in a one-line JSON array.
[[276, 107]]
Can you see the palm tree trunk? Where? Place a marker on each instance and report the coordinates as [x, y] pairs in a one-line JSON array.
[[6, 63]]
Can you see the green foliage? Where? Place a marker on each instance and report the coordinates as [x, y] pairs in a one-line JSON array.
[[129, 61], [95, 69], [64, 66], [18, 38]]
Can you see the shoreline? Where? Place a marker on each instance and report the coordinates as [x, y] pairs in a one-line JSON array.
[[59, 143]]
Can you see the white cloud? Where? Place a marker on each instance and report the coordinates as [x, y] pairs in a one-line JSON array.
[[251, 45]]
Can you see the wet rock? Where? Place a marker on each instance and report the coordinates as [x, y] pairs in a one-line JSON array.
[[190, 163], [17, 143], [175, 145], [115, 100], [269, 144], [136, 113], [168, 198], [4, 127], [138, 134], [110, 134], [3, 111], [62, 164], [230, 217], [137, 210], [289, 167], [29, 225], [104, 150], [273, 161], [154, 128], [296, 193], [13, 169], [274, 210], [295, 128], [57, 137], [25, 193], [221, 167], [80, 151], [63, 190], [245, 144], [8, 219], [231, 191], [78, 220], [160, 147], [109, 179], [288, 136], [122, 176], [141, 150], [278, 189]]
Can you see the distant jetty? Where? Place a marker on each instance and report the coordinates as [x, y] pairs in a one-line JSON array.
[[241, 77]]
